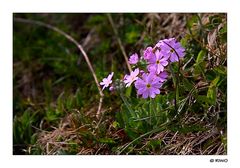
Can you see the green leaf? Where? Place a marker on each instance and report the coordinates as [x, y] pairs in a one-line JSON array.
[[154, 143], [221, 70], [184, 41], [223, 34], [212, 91], [51, 114], [202, 99], [201, 56], [173, 75], [199, 68], [192, 21], [79, 101], [215, 81], [115, 124], [212, 95], [107, 141], [60, 106], [128, 91], [69, 102], [187, 84], [132, 133], [210, 75]]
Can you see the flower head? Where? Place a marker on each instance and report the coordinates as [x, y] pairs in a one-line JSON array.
[[133, 59], [107, 81], [157, 63], [148, 53], [129, 79], [148, 86], [173, 49]]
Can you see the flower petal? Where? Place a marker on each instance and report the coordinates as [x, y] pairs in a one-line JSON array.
[[164, 63]]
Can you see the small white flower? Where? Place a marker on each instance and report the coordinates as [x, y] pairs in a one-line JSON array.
[[129, 79], [107, 81]]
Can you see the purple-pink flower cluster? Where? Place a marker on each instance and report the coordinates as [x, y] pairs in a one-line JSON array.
[[150, 79]]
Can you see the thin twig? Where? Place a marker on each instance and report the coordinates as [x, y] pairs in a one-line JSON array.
[[119, 41], [79, 46]]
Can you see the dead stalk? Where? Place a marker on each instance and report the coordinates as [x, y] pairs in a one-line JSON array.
[[119, 41]]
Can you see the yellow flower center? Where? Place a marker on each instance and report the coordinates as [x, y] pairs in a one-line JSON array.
[[148, 85], [157, 62], [172, 51]]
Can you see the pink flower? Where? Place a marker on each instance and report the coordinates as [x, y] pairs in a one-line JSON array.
[[170, 47], [107, 81], [129, 79], [133, 59], [148, 86], [157, 63], [148, 53]]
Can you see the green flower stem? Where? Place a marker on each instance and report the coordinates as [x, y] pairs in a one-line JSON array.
[[127, 104], [150, 110], [176, 83], [153, 107]]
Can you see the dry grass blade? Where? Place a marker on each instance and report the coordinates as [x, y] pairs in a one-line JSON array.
[[119, 42]]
